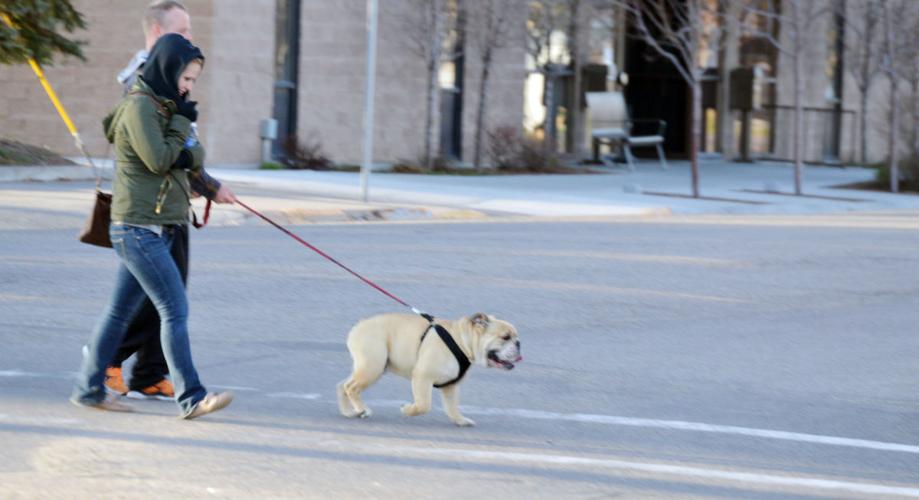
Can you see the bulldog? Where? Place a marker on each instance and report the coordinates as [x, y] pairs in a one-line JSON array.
[[410, 347]]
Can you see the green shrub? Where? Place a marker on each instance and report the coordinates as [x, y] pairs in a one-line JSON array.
[[908, 170]]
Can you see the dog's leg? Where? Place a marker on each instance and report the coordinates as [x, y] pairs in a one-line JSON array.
[[364, 375], [421, 390], [345, 407], [352, 389], [450, 396]]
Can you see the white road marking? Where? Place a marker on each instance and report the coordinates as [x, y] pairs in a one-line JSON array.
[[673, 470], [694, 427], [239, 388], [32, 420], [295, 395], [677, 425]]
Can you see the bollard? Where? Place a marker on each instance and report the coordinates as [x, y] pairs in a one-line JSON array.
[[268, 130]]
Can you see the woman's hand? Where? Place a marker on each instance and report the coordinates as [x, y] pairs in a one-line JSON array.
[[225, 195]]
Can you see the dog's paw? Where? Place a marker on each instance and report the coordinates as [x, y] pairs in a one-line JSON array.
[[464, 422], [351, 413], [412, 410]]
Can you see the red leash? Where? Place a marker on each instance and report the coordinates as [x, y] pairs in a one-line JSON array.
[[320, 252]]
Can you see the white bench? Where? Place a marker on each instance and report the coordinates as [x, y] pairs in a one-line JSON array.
[[610, 125]]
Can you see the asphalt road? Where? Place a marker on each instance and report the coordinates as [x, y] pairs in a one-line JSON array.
[[737, 357]]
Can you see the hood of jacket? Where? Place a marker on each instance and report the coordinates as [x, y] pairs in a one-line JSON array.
[[165, 64]]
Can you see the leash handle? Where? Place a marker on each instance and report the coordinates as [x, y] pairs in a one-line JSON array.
[[339, 264]]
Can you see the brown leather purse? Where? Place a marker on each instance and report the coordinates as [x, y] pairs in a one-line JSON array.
[[95, 231]]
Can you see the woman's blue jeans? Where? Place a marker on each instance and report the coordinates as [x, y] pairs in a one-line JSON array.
[[147, 270]]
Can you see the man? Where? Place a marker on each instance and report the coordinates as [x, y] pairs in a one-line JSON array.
[[148, 377]]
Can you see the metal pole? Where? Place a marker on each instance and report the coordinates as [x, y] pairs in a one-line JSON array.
[[369, 94]]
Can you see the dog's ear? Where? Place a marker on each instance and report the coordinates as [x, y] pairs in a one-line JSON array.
[[479, 319]]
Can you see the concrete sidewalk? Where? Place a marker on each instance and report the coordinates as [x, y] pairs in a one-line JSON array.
[[726, 188]]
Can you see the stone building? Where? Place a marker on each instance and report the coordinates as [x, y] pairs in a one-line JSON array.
[[302, 62], [309, 74]]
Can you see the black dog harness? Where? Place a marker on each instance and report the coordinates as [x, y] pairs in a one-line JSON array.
[[458, 353]]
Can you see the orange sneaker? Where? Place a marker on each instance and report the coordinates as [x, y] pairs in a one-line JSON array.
[[114, 382], [161, 390]]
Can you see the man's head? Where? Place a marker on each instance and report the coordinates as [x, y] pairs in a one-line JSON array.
[[165, 16]]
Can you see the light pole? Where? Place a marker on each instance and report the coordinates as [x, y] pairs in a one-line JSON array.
[[368, 97]]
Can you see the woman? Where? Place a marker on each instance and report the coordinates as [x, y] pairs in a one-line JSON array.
[[149, 129]]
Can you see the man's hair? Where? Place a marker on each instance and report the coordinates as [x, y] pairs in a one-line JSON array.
[[156, 12]]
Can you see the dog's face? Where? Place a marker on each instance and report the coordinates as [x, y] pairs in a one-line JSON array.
[[499, 344]]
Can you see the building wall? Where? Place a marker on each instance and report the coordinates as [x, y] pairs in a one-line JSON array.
[[332, 79], [816, 81], [237, 93], [333, 50], [505, 103], [87, 90], [234, 91]]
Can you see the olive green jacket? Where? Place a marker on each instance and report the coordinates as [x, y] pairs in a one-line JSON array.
[[148, 136]]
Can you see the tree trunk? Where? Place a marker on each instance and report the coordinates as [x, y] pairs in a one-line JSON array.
[[893, 137], [549, 141], [480, 112], [798, 115], [428, 119], [729, 60], [914, 126], [575, 120], [866, 76], [696, 135], [433, 90], [863, 124]]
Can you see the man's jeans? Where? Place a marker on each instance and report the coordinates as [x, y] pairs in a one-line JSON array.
[[147, 270]]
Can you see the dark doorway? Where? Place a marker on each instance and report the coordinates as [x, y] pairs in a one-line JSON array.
[[657, 91], [287, 44], [451, 92]]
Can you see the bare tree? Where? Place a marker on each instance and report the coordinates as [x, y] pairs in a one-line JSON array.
[[797, 20], [425, 26], [863, 55], [546, 19], [576, 13], [894, 62], [489, 28], [677, 31], [911, 75]]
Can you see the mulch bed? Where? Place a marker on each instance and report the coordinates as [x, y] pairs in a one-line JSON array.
[[18, 153], [877, 186]]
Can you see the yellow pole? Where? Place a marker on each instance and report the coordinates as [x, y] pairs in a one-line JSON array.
[[51, 95]]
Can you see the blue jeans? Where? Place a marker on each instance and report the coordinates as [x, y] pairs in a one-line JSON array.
[[147, 270]]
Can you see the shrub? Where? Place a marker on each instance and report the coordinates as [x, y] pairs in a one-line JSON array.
[[511, 151], [418, 166], [909, 173], [305, 155]]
